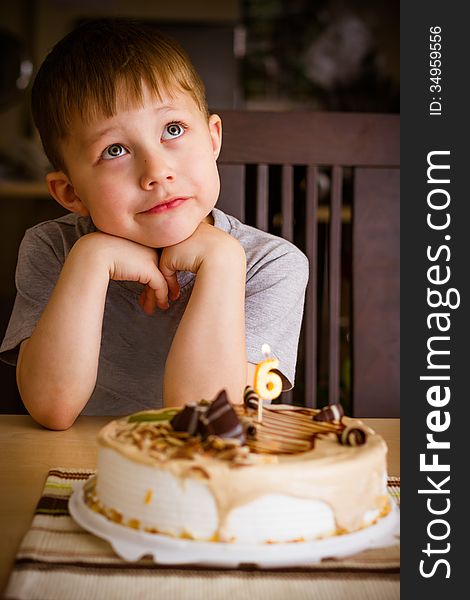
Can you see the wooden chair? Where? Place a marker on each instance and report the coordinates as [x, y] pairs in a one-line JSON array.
[[357, 152]]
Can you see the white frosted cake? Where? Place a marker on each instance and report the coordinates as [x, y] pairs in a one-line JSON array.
[[212, 472]]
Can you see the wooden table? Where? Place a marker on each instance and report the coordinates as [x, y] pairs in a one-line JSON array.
[[28, 451]]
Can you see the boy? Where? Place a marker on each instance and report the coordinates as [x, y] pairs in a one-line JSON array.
[[145, 294]]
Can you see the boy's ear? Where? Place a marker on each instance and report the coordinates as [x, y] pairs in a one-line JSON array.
[[62, 190], [215, 129]]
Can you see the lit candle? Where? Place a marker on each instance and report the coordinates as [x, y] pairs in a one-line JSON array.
[[268, 385]]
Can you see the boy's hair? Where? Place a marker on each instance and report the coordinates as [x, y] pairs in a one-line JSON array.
[[82, 73]]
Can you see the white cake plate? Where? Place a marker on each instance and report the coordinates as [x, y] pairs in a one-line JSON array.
[[131, 544]]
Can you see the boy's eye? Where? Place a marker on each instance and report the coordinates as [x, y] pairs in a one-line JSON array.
[[113, 151], [172, 131]]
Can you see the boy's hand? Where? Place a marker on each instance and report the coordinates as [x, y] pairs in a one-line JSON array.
[[129, 261], [207, 245]]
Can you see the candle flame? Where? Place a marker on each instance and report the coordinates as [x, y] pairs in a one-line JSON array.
[[266, 350]]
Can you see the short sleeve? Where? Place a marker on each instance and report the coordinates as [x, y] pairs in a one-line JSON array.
[[38, 268], [274, 305]]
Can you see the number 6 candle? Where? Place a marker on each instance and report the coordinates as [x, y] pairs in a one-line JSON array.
[[268, 385]]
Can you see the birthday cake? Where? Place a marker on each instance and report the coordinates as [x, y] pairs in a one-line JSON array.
[[219, 472]]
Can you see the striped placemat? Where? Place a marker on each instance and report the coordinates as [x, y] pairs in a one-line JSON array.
[[58, 560]]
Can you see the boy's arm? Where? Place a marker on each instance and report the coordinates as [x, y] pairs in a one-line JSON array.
[[208, 352], [57, 365]]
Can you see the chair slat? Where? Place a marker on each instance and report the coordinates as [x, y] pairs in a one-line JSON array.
[[335, 285], [262, 201], [287, 202], [376, 293], [301, 138], [310, 318], [232, 190], [287, 230]]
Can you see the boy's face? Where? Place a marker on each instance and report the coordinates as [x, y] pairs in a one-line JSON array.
[[147, 174]]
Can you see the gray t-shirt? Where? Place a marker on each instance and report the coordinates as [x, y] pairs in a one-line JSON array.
[[134, 345]]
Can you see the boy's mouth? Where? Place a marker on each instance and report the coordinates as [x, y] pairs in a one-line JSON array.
[[166, 205]]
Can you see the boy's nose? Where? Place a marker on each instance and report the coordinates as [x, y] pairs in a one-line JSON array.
[[155, 171]]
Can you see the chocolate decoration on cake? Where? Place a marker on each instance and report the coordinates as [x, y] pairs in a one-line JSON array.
[[353, 436], [250, 397], [332, 412], [187, 419], [249, 428], [216, 418], [221, 420]]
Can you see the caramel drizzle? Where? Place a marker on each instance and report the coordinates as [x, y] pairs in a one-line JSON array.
[[283, 430], [288, 431]]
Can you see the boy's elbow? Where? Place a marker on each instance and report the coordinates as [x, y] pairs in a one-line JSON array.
[[52, 419], [52, 404], [52, 412], [55, 422]]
